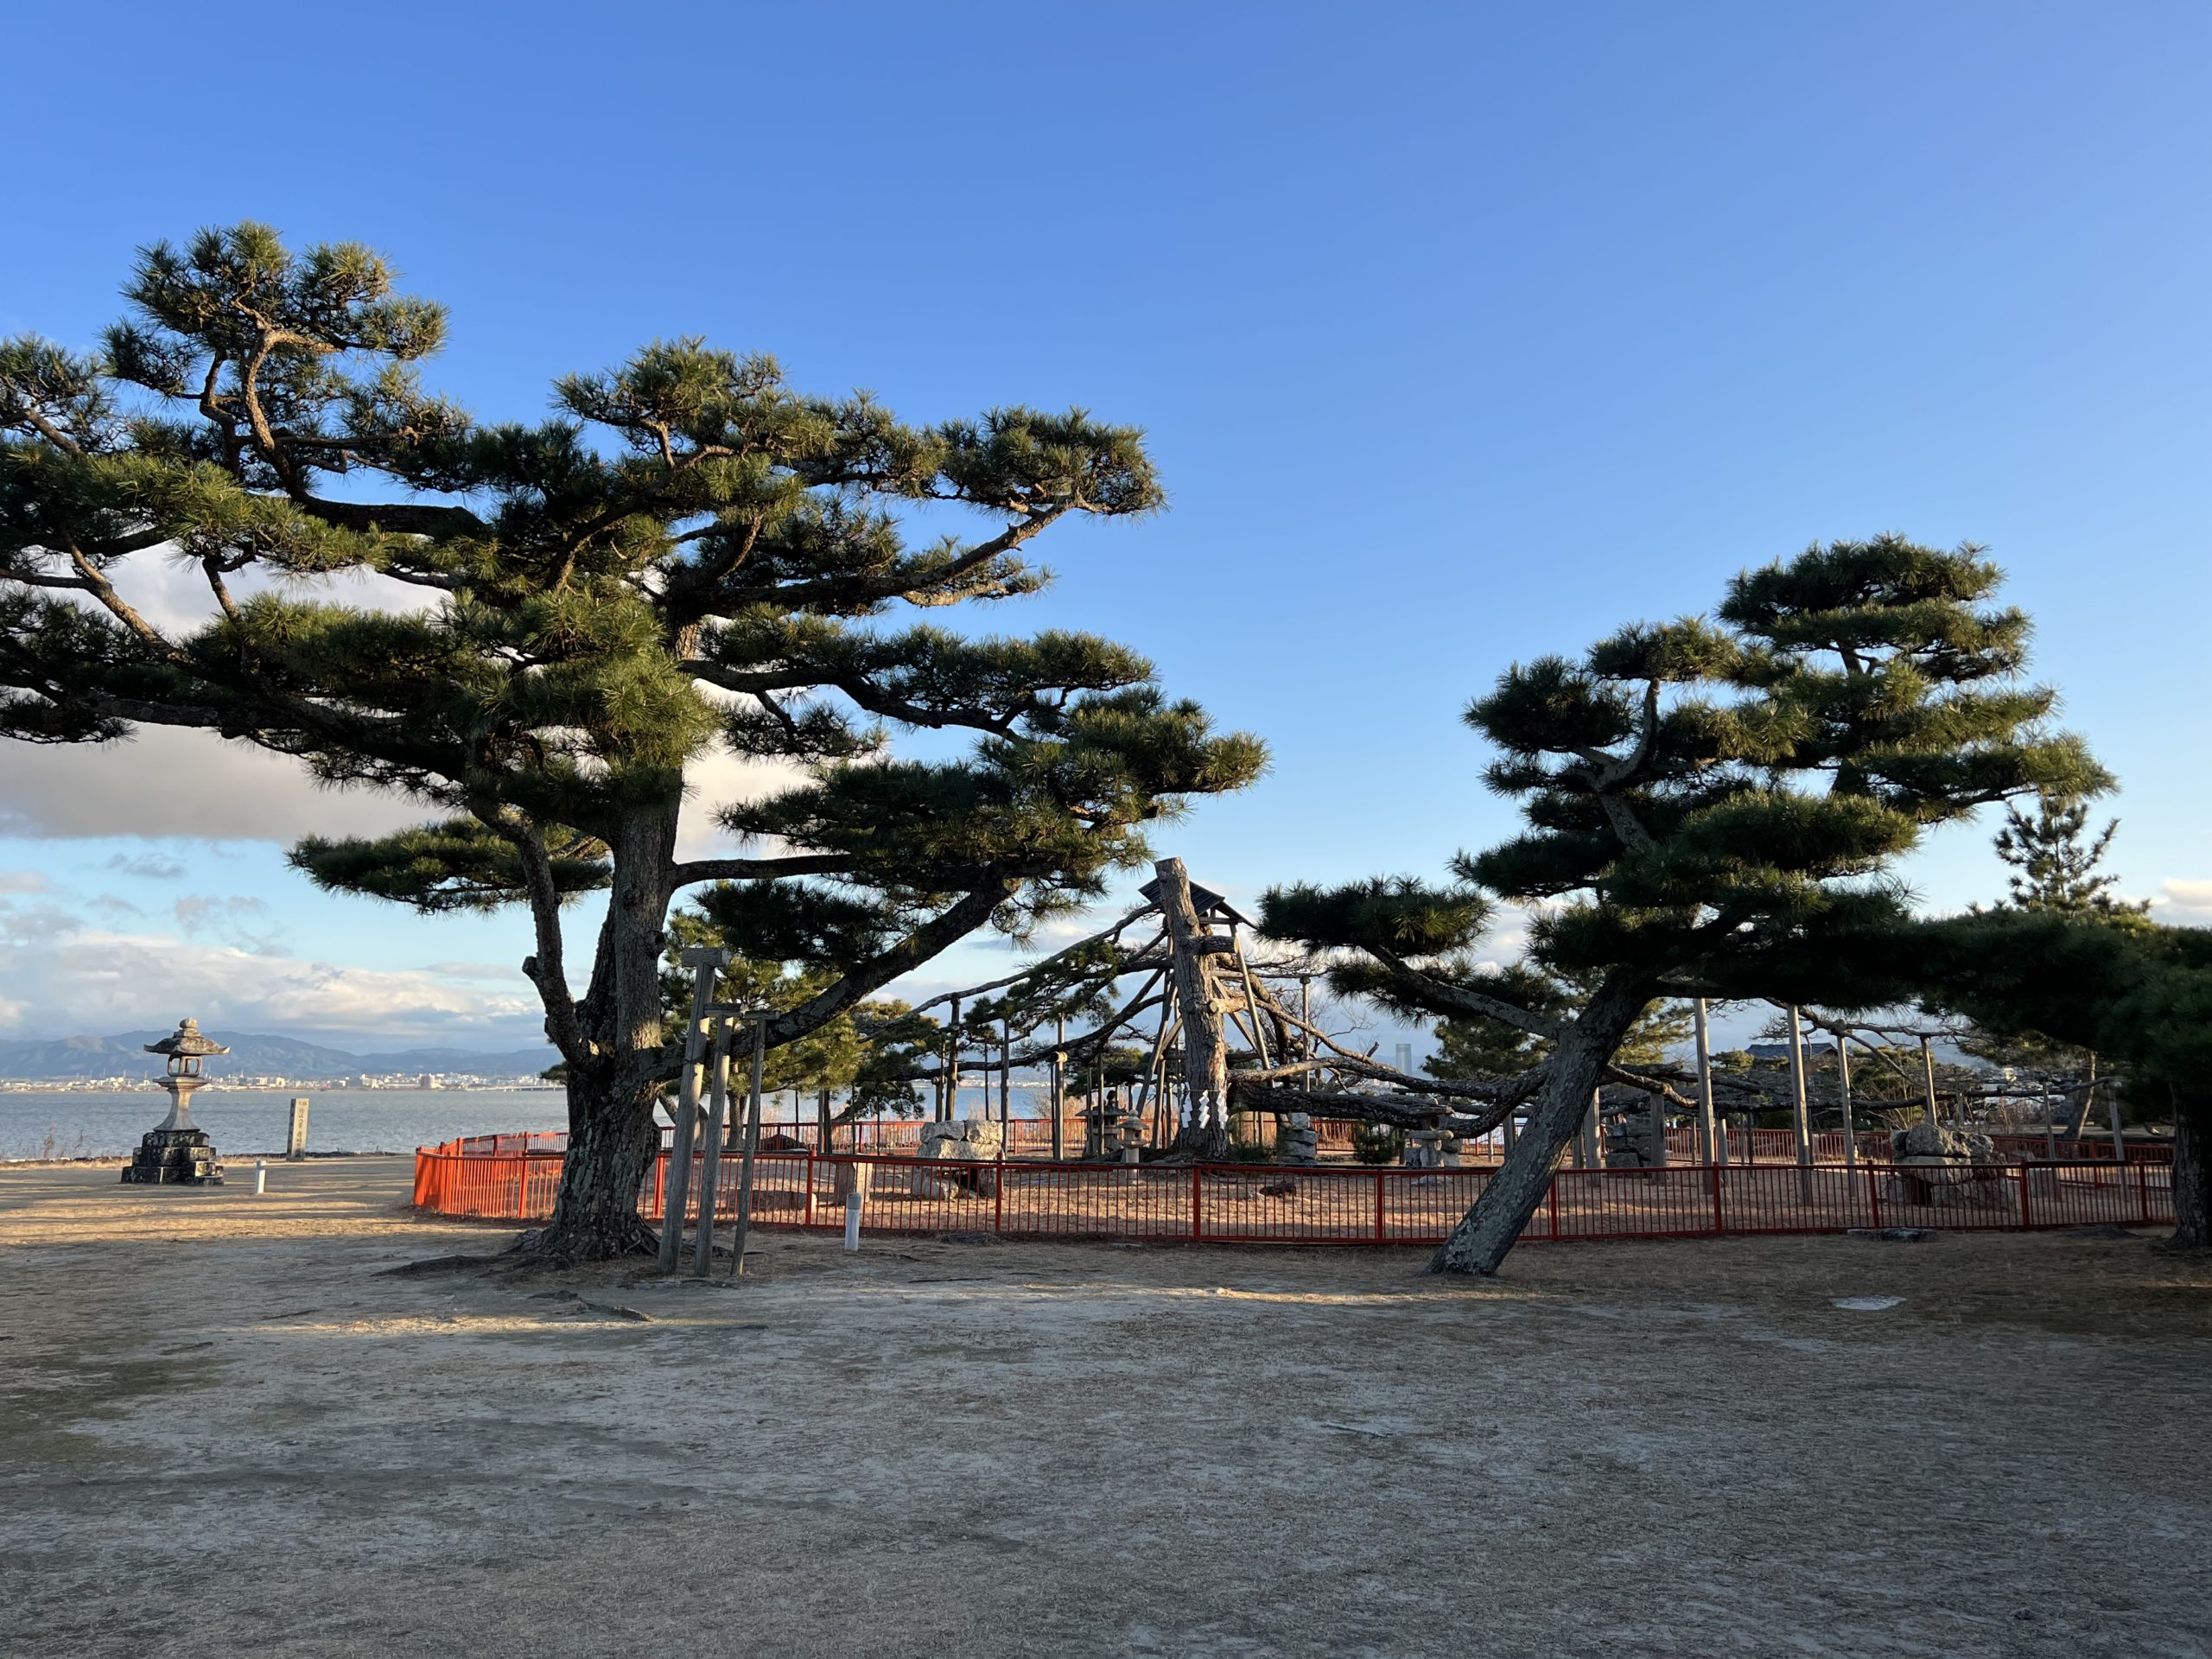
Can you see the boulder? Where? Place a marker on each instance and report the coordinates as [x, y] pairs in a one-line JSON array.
[[1926, 1142], [1943, 1167], [976, 1140]]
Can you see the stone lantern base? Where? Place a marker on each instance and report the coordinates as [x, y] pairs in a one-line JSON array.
[[174, 1157]]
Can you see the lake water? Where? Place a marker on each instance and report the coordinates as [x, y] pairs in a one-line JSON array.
[[245, 1122], [69, 1123]]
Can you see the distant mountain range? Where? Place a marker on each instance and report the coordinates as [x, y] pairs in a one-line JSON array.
[[60, 1059]]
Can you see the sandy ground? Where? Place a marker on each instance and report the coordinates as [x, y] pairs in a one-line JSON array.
[[224, 1430]]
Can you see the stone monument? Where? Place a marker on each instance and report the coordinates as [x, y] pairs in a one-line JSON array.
[[973, 1145], [178, 1152], [1298, 1141]]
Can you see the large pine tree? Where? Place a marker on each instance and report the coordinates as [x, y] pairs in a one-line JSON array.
[[688, 554], [1712, 808]]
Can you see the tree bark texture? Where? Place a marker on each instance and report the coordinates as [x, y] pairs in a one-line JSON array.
[[612, 1143], [2192, 1168], [1479, 1243], [1198, 1000], [612, 1136]]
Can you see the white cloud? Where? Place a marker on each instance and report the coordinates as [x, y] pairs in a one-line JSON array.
[[24, 881], [57, 976], [719, 779], [170, 781], [2182, 902]]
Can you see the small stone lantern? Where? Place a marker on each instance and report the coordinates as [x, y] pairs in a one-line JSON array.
[[178, 1152]]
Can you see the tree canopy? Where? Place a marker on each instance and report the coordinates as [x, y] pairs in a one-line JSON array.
[[688, 555], [1712, 807], [2119, 985]]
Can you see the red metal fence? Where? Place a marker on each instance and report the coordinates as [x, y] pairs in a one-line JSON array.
[[1333, 1204], [1033, 1136]]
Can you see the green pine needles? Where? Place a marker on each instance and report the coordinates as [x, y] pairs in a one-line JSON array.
[[690, 554], [1712, 807]]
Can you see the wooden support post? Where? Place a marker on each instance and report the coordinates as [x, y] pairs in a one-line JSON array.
[[1708, 1150], [2119, 1138], [710, 1165], [1843, 1086], [1206, 1054], [1801, 1116], [1059, 1085], [1586, 1147], [1928, 1078], [703, 961], [759, 1018], [1801, 1119], [1005, 1086], [949, 1107]]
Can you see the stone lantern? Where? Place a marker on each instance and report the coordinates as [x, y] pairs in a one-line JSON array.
[[179, 1151]]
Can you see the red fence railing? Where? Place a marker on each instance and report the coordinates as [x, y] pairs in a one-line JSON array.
[[1336, 1204]]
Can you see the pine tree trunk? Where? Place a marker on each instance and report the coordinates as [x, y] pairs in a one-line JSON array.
[[613, 1142], [1479, 1243], [2192, 1168], [612, 1139]]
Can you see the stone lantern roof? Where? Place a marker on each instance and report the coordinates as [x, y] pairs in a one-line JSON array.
[[187, 1041]]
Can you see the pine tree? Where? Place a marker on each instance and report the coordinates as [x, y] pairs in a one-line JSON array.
[[2136, 993], [690, 554], [1711, 808], [2057, 860]]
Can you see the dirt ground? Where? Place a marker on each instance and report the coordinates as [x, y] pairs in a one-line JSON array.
[[223, 1429]]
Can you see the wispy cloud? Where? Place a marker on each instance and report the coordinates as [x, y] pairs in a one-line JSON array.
[[24, 881], [155, 866], [245, 924]]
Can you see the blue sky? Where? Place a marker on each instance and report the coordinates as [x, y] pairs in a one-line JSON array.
[[1461, 335]]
